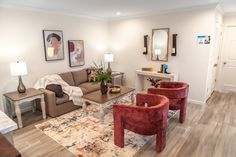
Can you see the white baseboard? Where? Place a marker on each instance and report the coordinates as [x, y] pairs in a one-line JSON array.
[[196, 102]]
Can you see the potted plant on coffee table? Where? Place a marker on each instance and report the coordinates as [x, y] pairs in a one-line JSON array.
[[103, 77]]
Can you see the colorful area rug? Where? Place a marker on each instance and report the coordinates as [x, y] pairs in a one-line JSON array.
[[85, 136]]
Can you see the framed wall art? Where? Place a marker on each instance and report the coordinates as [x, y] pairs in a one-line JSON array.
[[53, 45], [204, 39], [76, 53]]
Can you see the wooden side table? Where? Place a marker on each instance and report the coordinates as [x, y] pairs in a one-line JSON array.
[[17, 99]]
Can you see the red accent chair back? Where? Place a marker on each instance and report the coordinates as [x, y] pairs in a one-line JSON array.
[[141, 119], [177, 93]]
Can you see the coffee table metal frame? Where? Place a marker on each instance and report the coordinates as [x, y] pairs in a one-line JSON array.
[[108, 103]]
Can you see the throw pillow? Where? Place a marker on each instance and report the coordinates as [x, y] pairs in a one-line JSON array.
[[56, 88], [92, 72]]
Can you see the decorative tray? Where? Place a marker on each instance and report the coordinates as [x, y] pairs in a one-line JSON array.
[[115, 89], [147, 69]]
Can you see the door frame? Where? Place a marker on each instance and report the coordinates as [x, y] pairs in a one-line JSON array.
[[215, 62]]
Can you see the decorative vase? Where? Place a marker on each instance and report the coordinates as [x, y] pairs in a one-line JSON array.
[[104, 87]]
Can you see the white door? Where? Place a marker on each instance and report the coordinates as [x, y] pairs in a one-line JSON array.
[[214, 61], [228, 73]]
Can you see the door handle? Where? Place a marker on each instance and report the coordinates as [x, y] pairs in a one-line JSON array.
[[215, 65], [224, 63]]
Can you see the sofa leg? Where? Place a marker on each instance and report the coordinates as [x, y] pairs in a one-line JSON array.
[[161, 139]]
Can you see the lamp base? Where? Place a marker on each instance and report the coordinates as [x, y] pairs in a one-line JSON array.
[[109, 68], [21, 87]]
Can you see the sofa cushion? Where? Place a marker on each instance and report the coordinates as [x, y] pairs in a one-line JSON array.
[[62, 100], [84, 91], [90, 86], [56, 88], [80, 76], [67, 77]]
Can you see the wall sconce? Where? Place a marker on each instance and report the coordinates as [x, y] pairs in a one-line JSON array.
[[174, 45], [145, 51]]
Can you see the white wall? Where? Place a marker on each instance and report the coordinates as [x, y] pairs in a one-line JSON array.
[[191, 63], [230, 19], [21, 39]]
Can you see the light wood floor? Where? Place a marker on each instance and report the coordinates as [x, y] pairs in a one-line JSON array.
[[209, 131]]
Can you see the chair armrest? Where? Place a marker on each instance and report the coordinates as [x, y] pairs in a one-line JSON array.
[[120, 110], [149, 99], [139, 113], [170, 93]]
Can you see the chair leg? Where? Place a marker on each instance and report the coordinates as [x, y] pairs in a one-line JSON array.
[[118, 134], [182, 113], [161, 138]]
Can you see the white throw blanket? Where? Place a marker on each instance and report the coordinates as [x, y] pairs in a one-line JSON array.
[[74, 92]]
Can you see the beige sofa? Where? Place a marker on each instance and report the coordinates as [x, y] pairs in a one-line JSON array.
[[57, 106]]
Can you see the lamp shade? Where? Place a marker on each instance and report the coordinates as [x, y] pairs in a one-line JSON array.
[[108, 57], [18, 69], [158, 52]]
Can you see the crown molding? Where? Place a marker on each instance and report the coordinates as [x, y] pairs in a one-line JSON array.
[[152, 13], [51, 12], [178, 10]]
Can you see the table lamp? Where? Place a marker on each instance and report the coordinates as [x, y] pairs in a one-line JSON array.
[[19, 69], [108, 57]]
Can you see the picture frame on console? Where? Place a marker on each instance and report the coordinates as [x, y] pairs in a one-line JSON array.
[[76, 53], [53, 45]]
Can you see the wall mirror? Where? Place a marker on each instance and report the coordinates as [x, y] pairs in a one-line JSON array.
[[160, 44]]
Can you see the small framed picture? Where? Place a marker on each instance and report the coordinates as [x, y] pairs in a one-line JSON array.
[[76, 52], [53, 45], [204, 39]]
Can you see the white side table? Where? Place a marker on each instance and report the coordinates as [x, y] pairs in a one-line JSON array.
[[117, 78], [17, 99], [7, 125]]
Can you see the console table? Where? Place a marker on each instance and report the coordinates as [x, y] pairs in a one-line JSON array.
[[142, 75], [17, 99]]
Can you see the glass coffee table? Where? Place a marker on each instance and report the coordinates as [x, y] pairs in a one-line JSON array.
[[106, 100]]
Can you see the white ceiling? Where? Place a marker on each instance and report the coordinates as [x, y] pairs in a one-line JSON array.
[[108, 8]]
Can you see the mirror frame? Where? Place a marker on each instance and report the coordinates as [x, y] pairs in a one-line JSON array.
[[167, 54]]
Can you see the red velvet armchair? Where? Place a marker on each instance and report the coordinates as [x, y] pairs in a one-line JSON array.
[[177, 93], [141, 119]]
